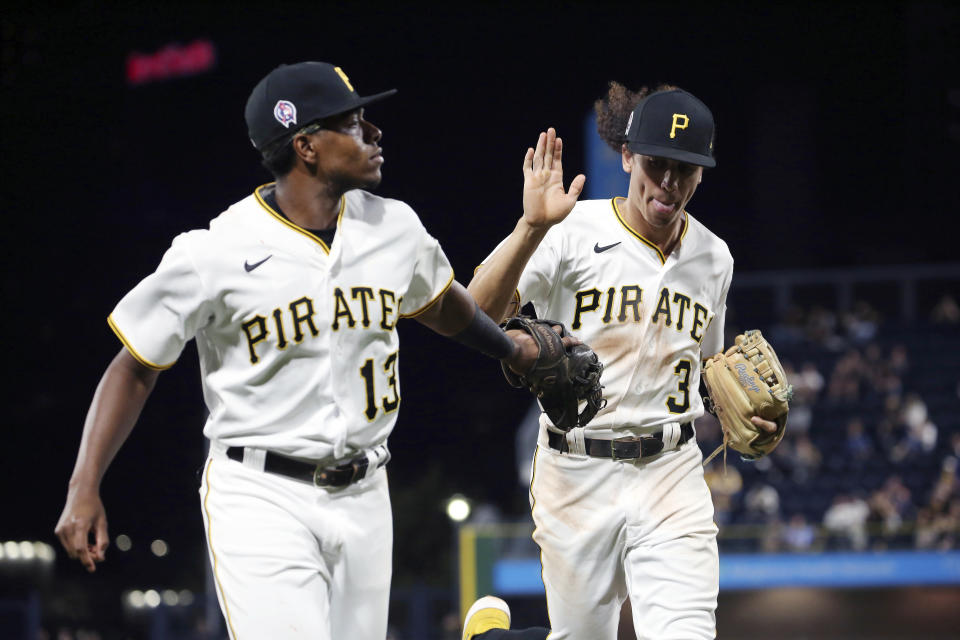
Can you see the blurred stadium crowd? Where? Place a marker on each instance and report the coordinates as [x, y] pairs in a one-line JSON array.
[[870, 460]]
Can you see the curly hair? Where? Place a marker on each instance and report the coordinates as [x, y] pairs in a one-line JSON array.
[[613, 111]]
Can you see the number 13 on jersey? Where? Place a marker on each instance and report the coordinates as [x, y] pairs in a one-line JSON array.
[[389, 402]]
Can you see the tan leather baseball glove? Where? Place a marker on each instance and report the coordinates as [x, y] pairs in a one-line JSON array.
[[744, 381]]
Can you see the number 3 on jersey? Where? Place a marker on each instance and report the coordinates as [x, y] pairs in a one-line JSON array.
[[681, 405], [389, 402]]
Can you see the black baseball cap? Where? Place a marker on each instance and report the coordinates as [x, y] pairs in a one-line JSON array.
[[295, 95], [672, 124]]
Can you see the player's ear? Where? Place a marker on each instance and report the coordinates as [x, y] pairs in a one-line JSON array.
[[626, 157], [303, 147]]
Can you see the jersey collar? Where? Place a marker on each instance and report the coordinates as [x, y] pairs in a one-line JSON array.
[[635, 233], [258, 194]]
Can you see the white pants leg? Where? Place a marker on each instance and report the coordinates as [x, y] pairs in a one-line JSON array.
[[671, 560], [580, 533], [293, 561], [360, 600], [608, 528]]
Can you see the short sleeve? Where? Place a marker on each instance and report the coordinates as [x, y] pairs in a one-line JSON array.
[[432, 275], [713, 340], [164, 311], [542, 271]]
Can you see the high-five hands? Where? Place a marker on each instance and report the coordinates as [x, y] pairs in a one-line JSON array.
[[545, 203]]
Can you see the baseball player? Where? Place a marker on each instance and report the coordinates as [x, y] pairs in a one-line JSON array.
[[293, 295], [620, 506]]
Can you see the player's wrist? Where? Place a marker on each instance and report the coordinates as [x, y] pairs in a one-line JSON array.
[[85, 481], [532, 231], [484, 335], [515, 352]]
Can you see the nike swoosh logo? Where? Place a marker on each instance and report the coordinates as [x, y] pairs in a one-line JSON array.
[[598, 249], [250, 267]]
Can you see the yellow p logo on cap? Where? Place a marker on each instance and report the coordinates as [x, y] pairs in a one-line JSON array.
[[346, 81], [677, 125]]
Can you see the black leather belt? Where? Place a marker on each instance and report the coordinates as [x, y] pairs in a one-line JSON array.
[[621, 448], [339, 476]]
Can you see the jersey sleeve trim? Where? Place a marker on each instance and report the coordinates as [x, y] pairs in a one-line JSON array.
[[414, 314], [276, 214], [133, 352], [663, 259]]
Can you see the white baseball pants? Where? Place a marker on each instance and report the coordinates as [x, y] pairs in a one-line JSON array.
[[294, 561], [609, 530]]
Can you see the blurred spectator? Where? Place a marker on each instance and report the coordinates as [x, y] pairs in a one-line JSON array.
[[807, 384], [938, 531], [884, 375], [811, 381], [955, 445], [899, 360], [808, 458], [889, 429], [920, 435], [724, 485], [925, 535], [859, 446], [886, 381], [822, 329], [872, 359], [844, 386], [950, 526], [762, 504], [798, 534], [846, 520], [946, 311], [861, 322], [790, 331], [890, 506], [801, 417], [798, 456], [947, 485]]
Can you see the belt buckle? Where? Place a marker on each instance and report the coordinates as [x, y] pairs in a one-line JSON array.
[[613, 448], [320, 478], [356, 467], [613, 451], [640, 441]]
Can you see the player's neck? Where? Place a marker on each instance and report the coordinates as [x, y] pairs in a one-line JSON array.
[[307, 203], [665, 238]]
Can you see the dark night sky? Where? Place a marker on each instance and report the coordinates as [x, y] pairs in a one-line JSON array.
[[833, 145]]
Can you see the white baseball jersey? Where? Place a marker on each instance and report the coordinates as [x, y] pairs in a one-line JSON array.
[[297, 340], [647, 317]]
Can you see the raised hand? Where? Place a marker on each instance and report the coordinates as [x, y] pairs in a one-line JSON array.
[[545, 203]]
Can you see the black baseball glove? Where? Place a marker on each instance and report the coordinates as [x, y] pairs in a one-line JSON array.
[[562, 377]]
